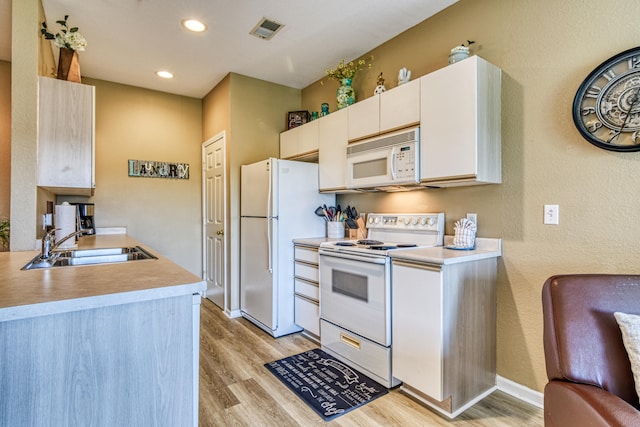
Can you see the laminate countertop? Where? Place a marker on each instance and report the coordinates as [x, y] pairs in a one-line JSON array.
[[38, 292]]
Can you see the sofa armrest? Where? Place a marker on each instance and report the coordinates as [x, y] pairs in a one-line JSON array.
[[569, 404]]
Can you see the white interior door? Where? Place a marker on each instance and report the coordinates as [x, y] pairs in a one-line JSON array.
[[214, 216]]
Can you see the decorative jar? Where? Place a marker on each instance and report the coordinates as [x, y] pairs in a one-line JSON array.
[[346, 95]]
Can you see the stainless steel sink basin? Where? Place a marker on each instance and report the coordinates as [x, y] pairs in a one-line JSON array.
[[89, 257]]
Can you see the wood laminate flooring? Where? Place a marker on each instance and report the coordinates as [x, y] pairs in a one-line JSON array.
[[237, 390]]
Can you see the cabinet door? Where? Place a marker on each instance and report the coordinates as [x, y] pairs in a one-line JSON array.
[[308, 138], [364, 118], [289, 143], [417, 327], [65, 136], [448, 121], [460, 124], [332, 149], [400, 107]]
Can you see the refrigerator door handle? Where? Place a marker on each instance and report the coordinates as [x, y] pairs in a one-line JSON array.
[[270, 223], [269, 254]]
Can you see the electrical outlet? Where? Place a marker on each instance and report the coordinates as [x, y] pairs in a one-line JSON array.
[[552, 214], [473, 217]]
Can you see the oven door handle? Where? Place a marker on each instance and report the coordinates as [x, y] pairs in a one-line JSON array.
[[362, 258]]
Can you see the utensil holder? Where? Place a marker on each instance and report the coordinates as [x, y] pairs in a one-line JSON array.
[[335, 229]]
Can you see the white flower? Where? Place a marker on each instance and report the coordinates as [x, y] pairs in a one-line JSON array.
[[69, 40]]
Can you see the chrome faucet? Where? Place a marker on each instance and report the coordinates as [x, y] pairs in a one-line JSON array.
[[48, 245]]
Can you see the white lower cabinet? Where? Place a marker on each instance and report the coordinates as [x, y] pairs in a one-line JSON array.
[[307, 290], [444, 332]]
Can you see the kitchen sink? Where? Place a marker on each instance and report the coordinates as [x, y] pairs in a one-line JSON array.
[[89, 257]]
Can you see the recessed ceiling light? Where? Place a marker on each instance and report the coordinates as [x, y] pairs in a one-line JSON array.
[[164, 74], [194, 25]]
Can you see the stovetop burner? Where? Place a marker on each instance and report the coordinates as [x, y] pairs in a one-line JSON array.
[[345, 244], [406, 245], [369, 242], [382, 247]]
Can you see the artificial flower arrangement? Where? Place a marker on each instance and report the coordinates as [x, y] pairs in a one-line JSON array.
[[68, 38], [347, 70]]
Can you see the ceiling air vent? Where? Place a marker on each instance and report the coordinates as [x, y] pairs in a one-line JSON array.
[[266, 29]]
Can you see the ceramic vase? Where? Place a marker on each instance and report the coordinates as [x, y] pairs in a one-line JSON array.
[[68, 65], [346, 95]]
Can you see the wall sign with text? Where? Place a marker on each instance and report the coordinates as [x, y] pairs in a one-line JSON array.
[[149, 169]]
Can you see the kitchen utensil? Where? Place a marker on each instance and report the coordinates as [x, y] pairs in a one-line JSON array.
[[354, 213], [320, 212]]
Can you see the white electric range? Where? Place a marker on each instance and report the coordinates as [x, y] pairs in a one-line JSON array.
[[355, 289]]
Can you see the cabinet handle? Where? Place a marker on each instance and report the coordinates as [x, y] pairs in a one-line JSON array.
[[350, 341], [419, 265]]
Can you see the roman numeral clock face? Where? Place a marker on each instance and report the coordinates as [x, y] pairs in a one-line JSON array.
[[606, 109]]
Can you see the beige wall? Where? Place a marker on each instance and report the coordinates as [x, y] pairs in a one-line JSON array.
[[5, 138], [141, 124], [254, 113], [545, 49]]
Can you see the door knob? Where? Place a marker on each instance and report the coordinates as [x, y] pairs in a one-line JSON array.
[[220, 232]]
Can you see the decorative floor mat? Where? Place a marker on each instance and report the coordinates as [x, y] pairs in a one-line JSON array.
[[329, 386]]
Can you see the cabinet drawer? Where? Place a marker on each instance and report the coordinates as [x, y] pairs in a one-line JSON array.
[[306, 271], [307, 315], [309, 290], [305, 254], [359, 351]]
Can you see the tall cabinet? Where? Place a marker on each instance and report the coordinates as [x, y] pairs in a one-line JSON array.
[[66, 150]]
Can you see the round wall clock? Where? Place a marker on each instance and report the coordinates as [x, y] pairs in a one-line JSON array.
[[606, 109]]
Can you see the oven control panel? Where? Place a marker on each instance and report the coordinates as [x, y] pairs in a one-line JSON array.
[[425, 221]]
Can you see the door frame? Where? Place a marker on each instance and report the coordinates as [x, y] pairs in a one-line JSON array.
[[225, 249]]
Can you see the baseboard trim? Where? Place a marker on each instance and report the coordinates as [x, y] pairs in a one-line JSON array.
[[520, 392], [233, 313]]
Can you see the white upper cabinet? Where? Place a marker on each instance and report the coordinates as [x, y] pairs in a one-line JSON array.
[[299, 142], [66, 137], [364, 118], [400, 106], [460, 125], [394, 109], [332, 148]]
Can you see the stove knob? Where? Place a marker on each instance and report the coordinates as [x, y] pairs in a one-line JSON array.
[[431, 221], [407, 221], [415, 221]]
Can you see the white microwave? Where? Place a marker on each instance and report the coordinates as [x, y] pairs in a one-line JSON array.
[[386, 160]]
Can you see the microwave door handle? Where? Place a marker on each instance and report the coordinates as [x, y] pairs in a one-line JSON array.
[[392, 166]]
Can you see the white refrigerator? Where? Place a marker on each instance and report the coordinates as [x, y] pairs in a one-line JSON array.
[[278, 199]]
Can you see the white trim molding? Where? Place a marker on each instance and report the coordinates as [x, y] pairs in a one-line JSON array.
[[519, 391]]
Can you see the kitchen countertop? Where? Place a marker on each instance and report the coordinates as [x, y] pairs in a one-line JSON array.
[[315, 241], [485, 248], [28, 293]]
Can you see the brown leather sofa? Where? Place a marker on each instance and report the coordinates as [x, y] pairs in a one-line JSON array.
[[590, 378]]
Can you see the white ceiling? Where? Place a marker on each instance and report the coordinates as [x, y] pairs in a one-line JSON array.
[[128, 40]]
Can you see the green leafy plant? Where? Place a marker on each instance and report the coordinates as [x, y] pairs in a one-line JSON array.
[[4, 233], [347, 70], [68, 38]]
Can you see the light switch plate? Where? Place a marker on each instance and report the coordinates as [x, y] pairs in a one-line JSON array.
[[473, 217], [552, 214]]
